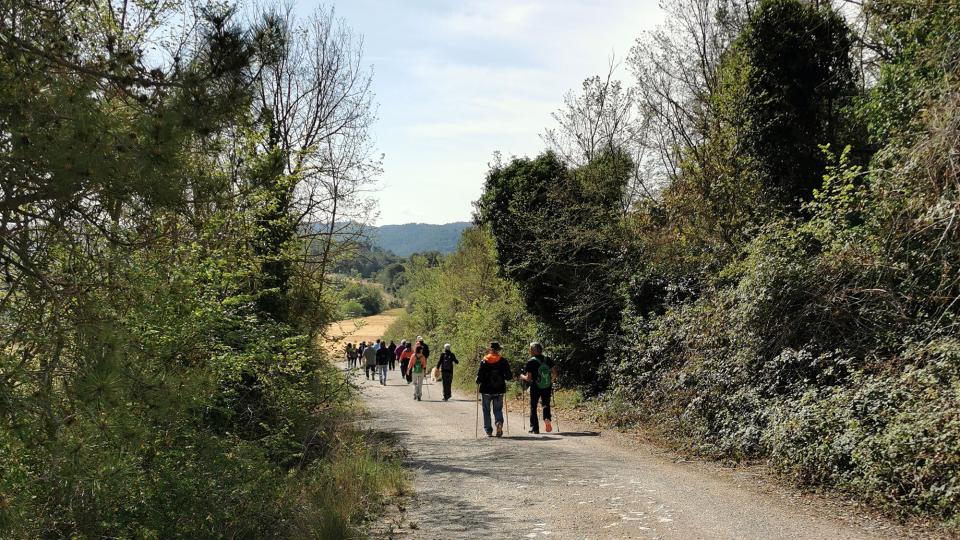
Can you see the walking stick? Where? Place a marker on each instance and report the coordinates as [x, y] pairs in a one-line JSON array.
[[506, 405], [476, 425]]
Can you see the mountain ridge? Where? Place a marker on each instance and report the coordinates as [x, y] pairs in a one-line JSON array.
[[409, 238]]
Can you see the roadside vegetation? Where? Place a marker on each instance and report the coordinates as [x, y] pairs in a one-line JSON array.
[[753, 250], [463, 302], [160, 313]]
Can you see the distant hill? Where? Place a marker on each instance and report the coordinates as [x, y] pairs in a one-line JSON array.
[[405, 240]]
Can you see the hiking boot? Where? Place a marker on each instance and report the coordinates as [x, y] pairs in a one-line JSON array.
[[534, 431], [499, 429], [547, 425], [489, 434]]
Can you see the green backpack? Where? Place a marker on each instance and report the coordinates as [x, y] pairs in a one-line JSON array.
[[543, 374]]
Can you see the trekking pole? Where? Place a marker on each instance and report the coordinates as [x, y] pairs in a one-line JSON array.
[[523, 397], [506, 405], [476, 425], [554, 415]]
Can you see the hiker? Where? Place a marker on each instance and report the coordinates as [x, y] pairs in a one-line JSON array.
[[417, 370], [405, 358], [398, 353], [492, 377], [539, 373], [392, 359], [423, 346], [370, 361], [383, 359], [348, 353], [445, 365], [360, 349]]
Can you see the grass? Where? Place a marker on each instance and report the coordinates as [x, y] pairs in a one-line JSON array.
[[567, 398], [352, 489]]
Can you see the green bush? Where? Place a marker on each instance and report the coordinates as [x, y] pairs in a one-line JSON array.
[[368, 297], [193, 417], [351, 309]]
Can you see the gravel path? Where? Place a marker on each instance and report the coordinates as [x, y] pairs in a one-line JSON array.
[[575, 483]]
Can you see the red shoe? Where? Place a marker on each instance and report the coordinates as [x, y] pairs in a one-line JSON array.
[[547, 425]]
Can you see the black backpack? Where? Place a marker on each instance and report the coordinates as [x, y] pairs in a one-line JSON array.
[[495, 376]]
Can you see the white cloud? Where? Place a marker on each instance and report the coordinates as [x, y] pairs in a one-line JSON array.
[[458, 80]]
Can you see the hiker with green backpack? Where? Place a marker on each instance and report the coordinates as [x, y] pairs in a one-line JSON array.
[[539, 372], [417, 371]]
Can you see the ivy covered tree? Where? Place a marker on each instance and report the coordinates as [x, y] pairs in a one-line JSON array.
[[799, 91], [558, 236]]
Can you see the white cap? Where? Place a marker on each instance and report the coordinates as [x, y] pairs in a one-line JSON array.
[[419, 338], [446, 346]]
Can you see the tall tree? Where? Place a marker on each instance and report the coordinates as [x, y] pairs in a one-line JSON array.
[[315, 98], [602, 121], [676, 71], [558, 236], [800, 86]]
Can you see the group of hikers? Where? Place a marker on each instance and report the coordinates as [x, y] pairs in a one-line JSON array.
[[538, 373], [378, 358]]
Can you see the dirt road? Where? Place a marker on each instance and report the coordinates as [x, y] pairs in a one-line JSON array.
[[575, 483], [363, 329]]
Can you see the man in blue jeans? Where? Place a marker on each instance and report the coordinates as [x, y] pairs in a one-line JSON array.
[[492, 377], [383, 360]]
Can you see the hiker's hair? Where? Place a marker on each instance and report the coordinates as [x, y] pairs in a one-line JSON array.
[[536, 347], [495, 345]]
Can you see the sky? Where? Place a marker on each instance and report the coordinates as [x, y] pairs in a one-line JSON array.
[[457, 80]]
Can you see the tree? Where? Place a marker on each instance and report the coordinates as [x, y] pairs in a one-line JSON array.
[[144, 208], [675, 69], [598, 122], [799, 89], [558, 237], [315, 98]]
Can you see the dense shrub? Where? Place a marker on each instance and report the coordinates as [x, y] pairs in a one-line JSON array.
[[160, 375], [367, 297], [193, 416], [830, 347]]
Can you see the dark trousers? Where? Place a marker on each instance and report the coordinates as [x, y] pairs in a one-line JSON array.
[[393, 362], [370, 371], [543, 396], [447, 377]]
